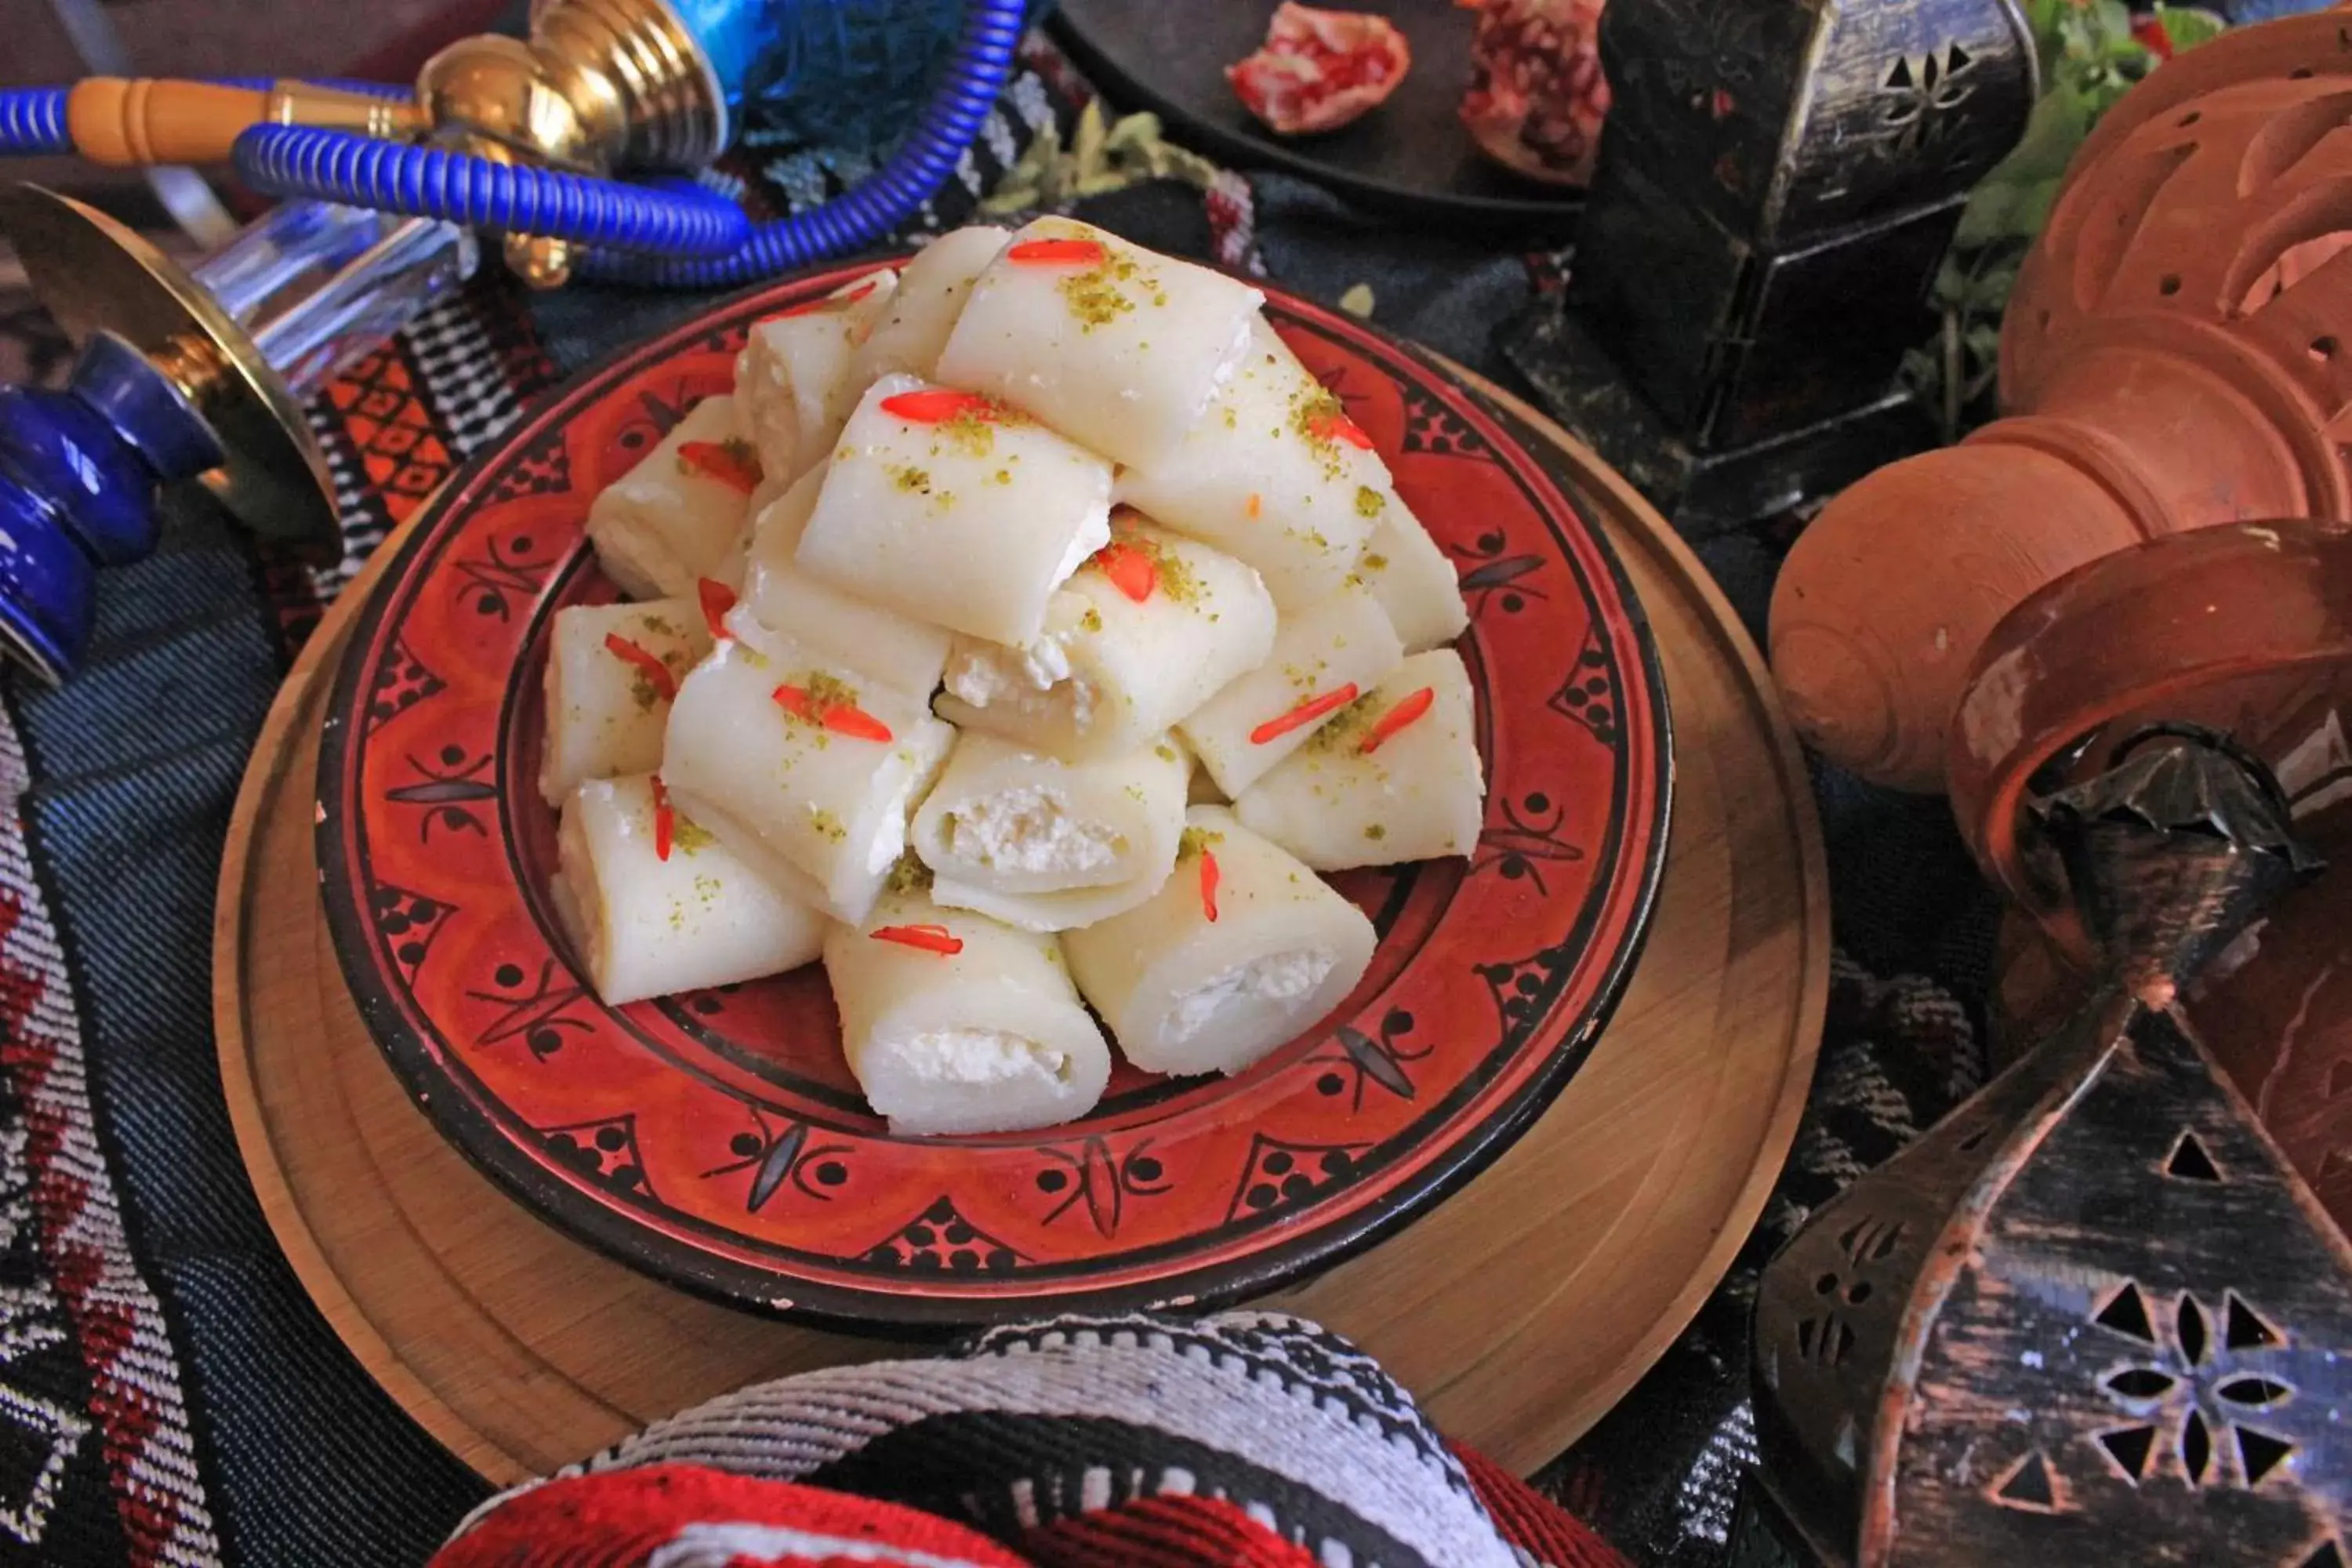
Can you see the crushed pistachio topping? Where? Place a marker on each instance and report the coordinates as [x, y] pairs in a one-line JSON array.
[[1376, 832], [1094, 296], [1171, 574], [658, 624], [1313, 416], [1368, 501], [827, 692], [689, 835], [911, 479], [1092, 620], [908, 876], [1348, 727], [972, 432], [1195, 841], [1376, 561], [825, 822], [1165, 753], [705, 889]]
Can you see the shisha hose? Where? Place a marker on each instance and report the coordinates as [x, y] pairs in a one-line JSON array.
[[670, 235]]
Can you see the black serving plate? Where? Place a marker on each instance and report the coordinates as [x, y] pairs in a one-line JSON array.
[[1409, 158]]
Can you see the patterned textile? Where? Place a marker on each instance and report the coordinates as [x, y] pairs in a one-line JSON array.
[[168, 1395], [1081, 1442]]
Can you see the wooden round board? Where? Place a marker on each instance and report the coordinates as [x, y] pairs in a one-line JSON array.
[[1519, 1310]]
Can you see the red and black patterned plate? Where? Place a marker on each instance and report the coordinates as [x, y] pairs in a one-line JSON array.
[[716, 1139]]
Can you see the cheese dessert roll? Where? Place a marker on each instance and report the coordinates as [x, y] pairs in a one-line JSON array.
[[954, 1023], [612, 671], [1143, 634], [645, 924], [675, 516], [1046, 846], [1321, 661], [792, 380], [1414, 581], [780, 597], [1275, 473], [950, 507], [804, 769], [1008, 819], [1396, 777], [1109, 343], [930, 296], [1242, 950]]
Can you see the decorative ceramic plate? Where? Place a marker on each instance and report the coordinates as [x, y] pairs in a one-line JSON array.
[[717, 1140]]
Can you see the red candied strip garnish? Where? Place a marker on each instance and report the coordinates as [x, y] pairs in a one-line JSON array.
[[1397, 718], [1306, 713], [731, 463], [1058, 253], [716, 598], [665, 821], [635, 653], [929, 938], [1130, 568], [1338, 427], [1210, 876], [855, 722], [936, 406]]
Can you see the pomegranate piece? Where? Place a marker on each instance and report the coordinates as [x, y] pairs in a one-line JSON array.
[[1537, 96], [1318, 71]]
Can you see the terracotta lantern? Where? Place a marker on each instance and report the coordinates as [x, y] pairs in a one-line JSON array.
[[2177, 353]]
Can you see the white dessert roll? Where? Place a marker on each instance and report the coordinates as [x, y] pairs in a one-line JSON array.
[[955, 1022], [1275, 473], [1112, 672], [1414, 581], [675, 517], [806, 774], [647, 926], [952, 508], [1322, 661], [1242, 950], [1395, 777], [1045, 845], [793, 382], [1108, 342], [930, 296], [1009, 819], [606, 709], [783, 598]]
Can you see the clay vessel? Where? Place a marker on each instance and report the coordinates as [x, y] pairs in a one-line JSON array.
[[2177, 353]]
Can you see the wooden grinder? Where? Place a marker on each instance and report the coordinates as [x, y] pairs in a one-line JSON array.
[[2177, 353]]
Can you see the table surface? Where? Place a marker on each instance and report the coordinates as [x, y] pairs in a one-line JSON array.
[[158, 1332]]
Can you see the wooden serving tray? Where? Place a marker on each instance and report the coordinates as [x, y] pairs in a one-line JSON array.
[[1519, 1310]]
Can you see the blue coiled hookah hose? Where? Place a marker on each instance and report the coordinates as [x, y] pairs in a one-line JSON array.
[[673, 234], [80, 469]]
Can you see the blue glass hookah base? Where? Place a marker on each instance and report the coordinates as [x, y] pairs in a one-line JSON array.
[[850, 74]]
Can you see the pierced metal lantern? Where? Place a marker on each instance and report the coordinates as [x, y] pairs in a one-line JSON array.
[[2095, 1316], [1778, 183]]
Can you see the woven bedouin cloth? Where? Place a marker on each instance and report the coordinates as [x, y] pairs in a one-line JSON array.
[[1128, 1441]]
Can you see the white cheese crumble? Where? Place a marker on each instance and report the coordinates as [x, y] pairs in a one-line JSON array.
[[1029, 677], [979, 1058], [1028, 829], [1270, 977]]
